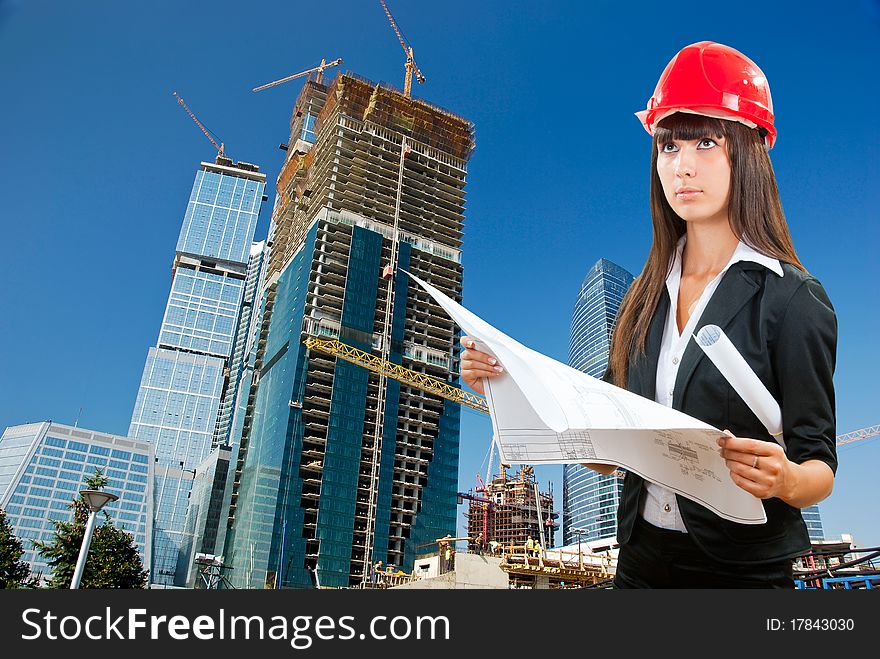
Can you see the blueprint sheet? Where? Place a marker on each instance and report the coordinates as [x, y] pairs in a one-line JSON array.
[[545, 412]]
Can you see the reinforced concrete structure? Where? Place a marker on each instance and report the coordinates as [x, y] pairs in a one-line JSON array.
[[589, 499], [43, 466], [512, 510], [188, 373], [339, 468]]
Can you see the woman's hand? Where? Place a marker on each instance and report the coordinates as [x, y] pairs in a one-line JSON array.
[[476, 365], [763, 470]]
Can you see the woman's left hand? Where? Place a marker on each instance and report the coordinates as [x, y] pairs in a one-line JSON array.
[[760, 468]]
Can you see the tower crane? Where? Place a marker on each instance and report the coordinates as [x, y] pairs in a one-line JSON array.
[[411, 66], [320, 69], [208, 134]]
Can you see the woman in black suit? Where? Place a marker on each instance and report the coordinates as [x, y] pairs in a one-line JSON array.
[[721, 254]]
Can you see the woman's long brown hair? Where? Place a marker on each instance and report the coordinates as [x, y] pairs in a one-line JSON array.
[[754, 210]]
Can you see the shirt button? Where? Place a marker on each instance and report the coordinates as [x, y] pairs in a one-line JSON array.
[[675, 360], [666, 507], [671, 393]]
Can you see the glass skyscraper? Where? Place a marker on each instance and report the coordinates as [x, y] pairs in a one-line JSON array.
[[813, 520], [43, 466], [187, 373], [589, 499]]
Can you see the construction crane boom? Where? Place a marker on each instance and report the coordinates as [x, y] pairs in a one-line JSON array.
[[208, 134], [320, 69], [863, 433], [405, 375], [411, 66]]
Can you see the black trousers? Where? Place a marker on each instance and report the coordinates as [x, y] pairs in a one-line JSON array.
[[660, 558]]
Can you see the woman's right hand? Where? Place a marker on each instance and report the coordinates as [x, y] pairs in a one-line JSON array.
[[476, 365]]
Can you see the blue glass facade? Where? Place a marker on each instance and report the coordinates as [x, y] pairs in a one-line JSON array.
[[813, 520], [186, 375], [345, 427], [221, 215], [439, 496], [202, 312], [589, 499], [243, 343], [175, 410], [274, 444], [593, 317], [43, 466], [176, 405]]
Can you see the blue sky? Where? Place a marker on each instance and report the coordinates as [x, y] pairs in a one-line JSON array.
[[98, 161]]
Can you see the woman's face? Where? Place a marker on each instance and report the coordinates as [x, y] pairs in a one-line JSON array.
[[695, 175]]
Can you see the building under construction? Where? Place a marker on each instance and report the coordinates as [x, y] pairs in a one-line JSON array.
[[340, 467], [511, 510]]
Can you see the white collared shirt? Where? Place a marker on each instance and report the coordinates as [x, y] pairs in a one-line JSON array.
[[659, 506]]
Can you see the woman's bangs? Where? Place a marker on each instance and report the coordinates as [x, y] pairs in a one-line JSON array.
[[687, 126]]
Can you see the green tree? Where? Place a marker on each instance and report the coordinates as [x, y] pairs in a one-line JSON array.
[[14, 572], [113, 560]]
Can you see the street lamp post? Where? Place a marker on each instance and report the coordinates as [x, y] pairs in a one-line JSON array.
[[96, 499], [579, 532]]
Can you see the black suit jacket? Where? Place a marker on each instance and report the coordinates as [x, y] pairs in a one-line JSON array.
[[786, 329]]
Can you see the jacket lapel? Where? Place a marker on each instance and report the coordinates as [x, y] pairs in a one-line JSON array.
[[734, 290]]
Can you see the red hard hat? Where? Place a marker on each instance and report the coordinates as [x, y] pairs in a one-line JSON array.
[[711, 79]]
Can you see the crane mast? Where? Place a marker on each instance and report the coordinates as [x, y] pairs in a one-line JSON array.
[[411, 66]]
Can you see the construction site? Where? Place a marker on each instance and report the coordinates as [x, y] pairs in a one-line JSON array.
[[510, 511], [347, 459], [509, 544]]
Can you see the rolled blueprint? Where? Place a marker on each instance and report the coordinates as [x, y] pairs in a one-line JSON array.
[[742, 378]]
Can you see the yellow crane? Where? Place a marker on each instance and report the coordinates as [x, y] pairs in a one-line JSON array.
[[319, 69], [208, 134], [411, 66], [405, 375]]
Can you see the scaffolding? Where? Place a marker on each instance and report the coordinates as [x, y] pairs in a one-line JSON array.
[[509, 511]]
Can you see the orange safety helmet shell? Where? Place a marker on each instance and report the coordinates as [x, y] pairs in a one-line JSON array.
[[715, 80]]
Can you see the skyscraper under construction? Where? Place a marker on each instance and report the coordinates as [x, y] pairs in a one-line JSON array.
[[339, 467]]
